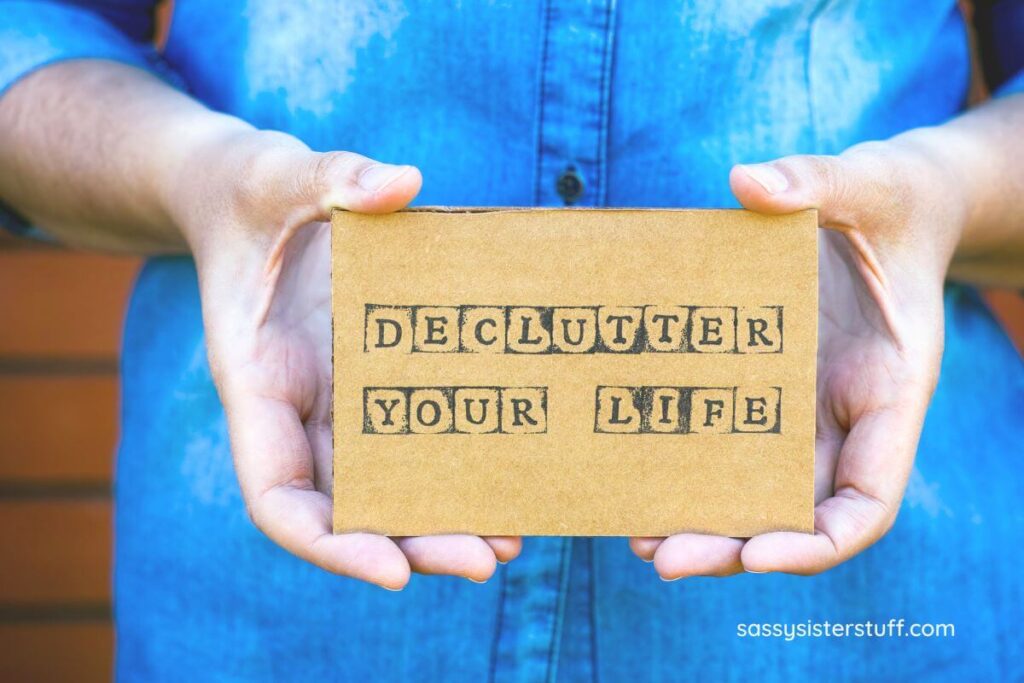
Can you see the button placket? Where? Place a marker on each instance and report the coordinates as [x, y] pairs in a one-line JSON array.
[[531, 612], [569, 186], [573, 108], [571, 156]]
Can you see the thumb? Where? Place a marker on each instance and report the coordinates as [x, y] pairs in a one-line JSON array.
[[860, 196], [344, 180], [801, 182]]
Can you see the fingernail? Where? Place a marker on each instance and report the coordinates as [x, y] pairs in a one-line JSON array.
[[502, 561], [393, 590], [375, 178], [646, 560], [768, 177], [754, 571], [669, 580], [475, 580]]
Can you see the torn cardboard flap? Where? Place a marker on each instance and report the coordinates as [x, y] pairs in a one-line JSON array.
[[617, 372]]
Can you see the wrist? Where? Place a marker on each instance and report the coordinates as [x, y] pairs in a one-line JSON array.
[[952, 174], [932, 169], [218, 172]]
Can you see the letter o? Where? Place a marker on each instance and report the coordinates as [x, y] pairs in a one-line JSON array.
[[437, 413]]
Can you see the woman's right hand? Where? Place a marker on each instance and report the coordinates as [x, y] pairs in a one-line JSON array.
[[254, 207]]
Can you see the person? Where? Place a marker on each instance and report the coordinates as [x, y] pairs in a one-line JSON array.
[[221, 156]]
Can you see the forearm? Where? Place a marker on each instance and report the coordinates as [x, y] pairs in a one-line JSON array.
[[984, 151], [93, 151]]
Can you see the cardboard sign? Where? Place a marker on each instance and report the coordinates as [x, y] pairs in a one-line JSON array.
[[574, 372]]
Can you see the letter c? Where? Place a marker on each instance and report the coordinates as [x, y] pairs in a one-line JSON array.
[[479, 327]]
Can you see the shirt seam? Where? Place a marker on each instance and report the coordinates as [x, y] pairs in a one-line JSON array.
[[498, 625], [605, 94], [559, 616], [812, 114], [595, 676], [541, 95]]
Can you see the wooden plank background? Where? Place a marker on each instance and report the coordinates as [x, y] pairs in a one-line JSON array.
[[60, 325], [60, 322]]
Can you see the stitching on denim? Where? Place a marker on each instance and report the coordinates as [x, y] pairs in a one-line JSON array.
[[559, 617], [498, 625], [541, 94], [605, 104], [812, 22], [595, 677], [965, 45]]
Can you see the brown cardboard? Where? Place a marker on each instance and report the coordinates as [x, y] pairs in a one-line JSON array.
[[627, 372]]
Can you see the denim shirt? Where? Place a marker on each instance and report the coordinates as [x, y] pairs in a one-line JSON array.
[[512, 102]]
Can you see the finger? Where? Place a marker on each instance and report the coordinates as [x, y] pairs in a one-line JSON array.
[[828, 443], [344, 180], [321, 442], [645, 547], [275, 472], [686, 555], [845, 524], [854, 194], [803, 182], [298, 520], [458, 555], [872, 472], [863, 191], [506, 548]]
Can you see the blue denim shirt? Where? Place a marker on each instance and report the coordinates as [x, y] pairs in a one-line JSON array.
[[649, 104]]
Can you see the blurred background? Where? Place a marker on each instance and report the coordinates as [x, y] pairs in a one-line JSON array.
[[60, 323], [60, 326]]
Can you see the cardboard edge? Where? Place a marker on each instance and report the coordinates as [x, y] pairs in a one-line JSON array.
[[813, 214], [335, 226], [439, 209]]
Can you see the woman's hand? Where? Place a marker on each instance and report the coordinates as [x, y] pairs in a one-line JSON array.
[[254, 207], [893, 214]]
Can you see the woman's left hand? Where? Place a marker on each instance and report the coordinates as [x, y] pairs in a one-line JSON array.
[[893, 215]]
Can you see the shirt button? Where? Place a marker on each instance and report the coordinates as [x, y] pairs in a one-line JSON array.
[[569, 185]]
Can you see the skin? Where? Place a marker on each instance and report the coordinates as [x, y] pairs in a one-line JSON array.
[[895, 215], [104, 156]]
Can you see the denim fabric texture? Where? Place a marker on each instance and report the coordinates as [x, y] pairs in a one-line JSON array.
[[646, 104]]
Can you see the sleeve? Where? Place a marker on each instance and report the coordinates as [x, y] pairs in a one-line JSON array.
[[1000, 31], [36, 34], [1013, 86]]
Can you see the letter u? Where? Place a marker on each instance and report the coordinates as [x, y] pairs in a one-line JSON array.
[[565, 329], [483, 411]]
